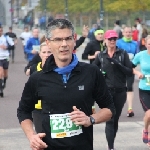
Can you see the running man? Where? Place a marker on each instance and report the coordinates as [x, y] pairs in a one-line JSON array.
[[4, 61], [11, 49], [67, 95], [131, 47], [25, 35], [33, 45]]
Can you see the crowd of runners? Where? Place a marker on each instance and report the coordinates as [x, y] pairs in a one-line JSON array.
[[60, 95]]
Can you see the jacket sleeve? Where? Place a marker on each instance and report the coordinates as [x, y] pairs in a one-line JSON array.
[[28, 100], [101, 93], [79, 42], [87, 51], [36, 59], [97, 61], [28, 47], [33, 68], [126, 68]]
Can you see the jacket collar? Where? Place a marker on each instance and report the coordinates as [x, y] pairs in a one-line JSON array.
[[105, 51], [50, 65]]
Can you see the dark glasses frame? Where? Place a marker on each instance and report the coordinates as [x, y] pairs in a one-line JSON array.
[[112, 38]]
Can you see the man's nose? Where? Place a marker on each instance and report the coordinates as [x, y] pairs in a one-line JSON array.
[[64, 43]]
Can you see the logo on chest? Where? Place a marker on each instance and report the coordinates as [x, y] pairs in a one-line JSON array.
[[81, 87]]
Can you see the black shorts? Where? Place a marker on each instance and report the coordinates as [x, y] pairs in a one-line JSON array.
[[4, 63], [145, 99]]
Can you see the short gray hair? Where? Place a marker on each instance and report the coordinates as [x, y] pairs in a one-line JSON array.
[[58, 24]]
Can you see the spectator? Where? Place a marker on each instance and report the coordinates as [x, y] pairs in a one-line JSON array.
[[135, 33], [117, 28]]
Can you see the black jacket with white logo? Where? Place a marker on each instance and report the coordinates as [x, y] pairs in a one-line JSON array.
[[116, 68], [85, 85]]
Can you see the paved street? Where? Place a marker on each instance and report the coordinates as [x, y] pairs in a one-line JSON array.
[[13, 138]]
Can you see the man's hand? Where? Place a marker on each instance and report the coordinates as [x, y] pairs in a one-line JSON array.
[[3, 47], [79, 117], [15, 42], [28, 72], [36, 142], [85, 31], [34, 52]]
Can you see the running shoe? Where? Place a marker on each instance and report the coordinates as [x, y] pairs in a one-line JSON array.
[[110, 149], [130, 113], [145, 137]]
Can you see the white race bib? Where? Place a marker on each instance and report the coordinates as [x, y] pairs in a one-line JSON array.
[[36, 48], [147, 79], [62, 126], [131, 56]]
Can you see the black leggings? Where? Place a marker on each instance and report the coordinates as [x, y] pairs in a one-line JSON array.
[[130, 82], [111, 128]]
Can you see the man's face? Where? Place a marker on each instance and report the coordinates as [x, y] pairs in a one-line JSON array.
[[61, 44], [99, 36], [35, 33], [127, 33], [26, 29], [1, 31]]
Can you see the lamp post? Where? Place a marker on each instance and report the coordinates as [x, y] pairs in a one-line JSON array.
[[29, 4], [45, 12], [66, 9], [11, 11], [101, 12], [17, 8]]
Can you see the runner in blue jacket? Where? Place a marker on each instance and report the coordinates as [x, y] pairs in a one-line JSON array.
[[131, 47], [32, 45]]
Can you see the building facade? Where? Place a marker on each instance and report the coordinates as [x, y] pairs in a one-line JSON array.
[[5, 12]]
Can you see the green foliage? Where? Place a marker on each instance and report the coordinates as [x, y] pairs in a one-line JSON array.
[[92, 6]]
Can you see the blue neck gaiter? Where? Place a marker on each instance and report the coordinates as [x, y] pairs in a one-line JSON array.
[[65, 71]]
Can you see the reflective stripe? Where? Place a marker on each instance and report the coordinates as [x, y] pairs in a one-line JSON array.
[[38, 105], [39, 66]]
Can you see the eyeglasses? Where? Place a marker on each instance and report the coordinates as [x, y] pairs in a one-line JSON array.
[[112, 38], [60, 40]]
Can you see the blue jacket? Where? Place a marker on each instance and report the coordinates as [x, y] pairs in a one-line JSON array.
[[29, 47], [129, 47]]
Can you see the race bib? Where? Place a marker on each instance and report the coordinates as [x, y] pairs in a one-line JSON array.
[[131, 56], [36, 48], [62, 126], [147, 79]]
